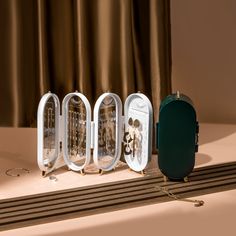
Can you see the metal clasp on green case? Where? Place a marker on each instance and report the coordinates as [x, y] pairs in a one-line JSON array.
[[157, 126], [196, 136]]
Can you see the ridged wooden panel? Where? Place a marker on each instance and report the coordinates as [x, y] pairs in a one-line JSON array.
[[78, 202]]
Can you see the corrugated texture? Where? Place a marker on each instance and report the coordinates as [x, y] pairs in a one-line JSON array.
[[77, 202]]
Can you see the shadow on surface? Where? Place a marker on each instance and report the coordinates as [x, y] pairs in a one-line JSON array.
[[202, 158], [212, 132]]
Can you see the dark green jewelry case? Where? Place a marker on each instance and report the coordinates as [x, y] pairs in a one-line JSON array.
[[177, 136]]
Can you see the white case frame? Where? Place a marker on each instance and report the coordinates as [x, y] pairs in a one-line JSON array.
[[50, 164], [137, 105], [67, 160], [119, 123]]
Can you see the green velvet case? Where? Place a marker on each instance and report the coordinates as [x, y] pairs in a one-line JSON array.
[[177, 136]]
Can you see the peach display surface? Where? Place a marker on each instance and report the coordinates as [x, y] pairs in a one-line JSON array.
[[216, 217]]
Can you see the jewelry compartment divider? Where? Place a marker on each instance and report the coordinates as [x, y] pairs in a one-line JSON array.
[[138, 118], [48, 148]]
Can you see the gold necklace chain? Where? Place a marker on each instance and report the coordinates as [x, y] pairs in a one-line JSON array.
[[197, 203]]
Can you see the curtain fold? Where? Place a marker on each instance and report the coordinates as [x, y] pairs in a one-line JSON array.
[[93, 46]]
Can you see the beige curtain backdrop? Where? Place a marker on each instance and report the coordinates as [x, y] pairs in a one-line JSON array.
[[93, 46]]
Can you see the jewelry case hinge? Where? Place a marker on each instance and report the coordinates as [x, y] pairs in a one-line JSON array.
[[60, 125], [123, 127], [92, 135], [59, 161]]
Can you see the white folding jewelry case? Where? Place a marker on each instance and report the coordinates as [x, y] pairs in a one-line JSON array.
[[75, 134]]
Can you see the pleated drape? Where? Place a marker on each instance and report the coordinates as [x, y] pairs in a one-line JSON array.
[[93, 46]]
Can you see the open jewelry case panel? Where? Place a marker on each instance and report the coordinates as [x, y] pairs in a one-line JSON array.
[[107, 131], [48, 132], [138, 131], [74, 136], [76, 129]]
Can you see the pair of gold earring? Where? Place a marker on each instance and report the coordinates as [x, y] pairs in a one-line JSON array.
[[134, 123]]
